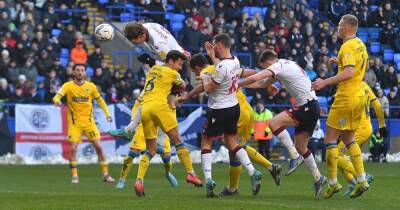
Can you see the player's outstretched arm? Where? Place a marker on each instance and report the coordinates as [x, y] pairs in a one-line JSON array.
[[57, 98], [197, 90], [346, 74], [247, 73], [255, 78], [103, 106]]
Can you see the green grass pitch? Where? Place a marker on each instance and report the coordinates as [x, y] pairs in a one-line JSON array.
[[48, 187]]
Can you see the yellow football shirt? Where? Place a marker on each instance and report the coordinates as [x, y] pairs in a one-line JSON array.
[[159, 81], [239, 93], [79, 101], [352, 53]]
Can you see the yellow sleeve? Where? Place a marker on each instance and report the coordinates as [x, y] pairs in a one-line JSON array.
[[178, 79], [60, 93], [379, 112], [96, 95], [348, 57]]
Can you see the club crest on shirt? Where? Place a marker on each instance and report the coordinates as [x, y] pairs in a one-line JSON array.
[[342, 122], [87, 90]]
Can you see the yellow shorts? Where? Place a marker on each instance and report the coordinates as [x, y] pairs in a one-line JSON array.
[[362, 135], [139, 143], [157, 115], [75, 132], [346, 113], [245, 122]]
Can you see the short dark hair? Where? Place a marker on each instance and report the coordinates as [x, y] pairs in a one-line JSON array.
[[133, 30], [174, 55], [224, 39], [198, 60], [267, 55], [79, 64]]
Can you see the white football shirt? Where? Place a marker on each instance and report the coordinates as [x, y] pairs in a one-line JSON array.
[[296, 81], [226, 76], [160, 41]]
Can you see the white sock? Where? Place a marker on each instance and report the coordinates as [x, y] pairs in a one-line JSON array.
[[361, 178], [241, 154], [332, 181], [206, 163], [135, 121], [312, 167], [285, 139]]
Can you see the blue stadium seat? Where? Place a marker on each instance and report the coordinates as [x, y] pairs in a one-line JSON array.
[[246, 10], [362, 29], [396, 57], [64, 61], [176, 26], [125, 17], [103, 1], [373, 8], [375, 47], [373, 33], [255, 10], [363, 36], [398, 67], [177, 18], [278, 85], [170, 7], [89, 71], [55, 32], [386, 91], [64, 53], [39, 79], [264, 11], [167, 15], [388, 55]]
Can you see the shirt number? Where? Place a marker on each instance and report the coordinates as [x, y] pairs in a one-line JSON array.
[[234, 85]]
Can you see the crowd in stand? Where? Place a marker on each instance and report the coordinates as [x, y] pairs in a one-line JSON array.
[[31, 70]]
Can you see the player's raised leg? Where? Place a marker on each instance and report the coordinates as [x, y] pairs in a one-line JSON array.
[[165, 152], [278, 125]]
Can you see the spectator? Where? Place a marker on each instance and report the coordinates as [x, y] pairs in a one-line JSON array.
[[261, 131], [386, 36], [394, 100], [52, 79], [13, 72], [192, 38], [4, 21], [233, 12], [377, 17], [67, 75], [389, 15], [363, 16], [48, 98], [96, 57], [100, 80], [29, 70], [282, 98], [56, 66], [317, 141], [67, 37], [378, 69], [43, 64], [81, 18], [370, 77], [220, 9], [183, 6], [206, 10], [78, 53], [5, 91], [376, 146], [18, 96], [112, 96], [33, 96], [389, 78], [157, 6], [384, 101], [396, 43]]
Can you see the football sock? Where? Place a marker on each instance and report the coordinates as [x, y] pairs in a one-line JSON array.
[[184, 157], [206, 163], [332, 162], [167, 164], [244, 159], [257, 157], [235, 169], [104, 167], [143, 165], [73, 165], [355, 155], [127, 164], [284, 138], [309, 161], [346, 167]]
